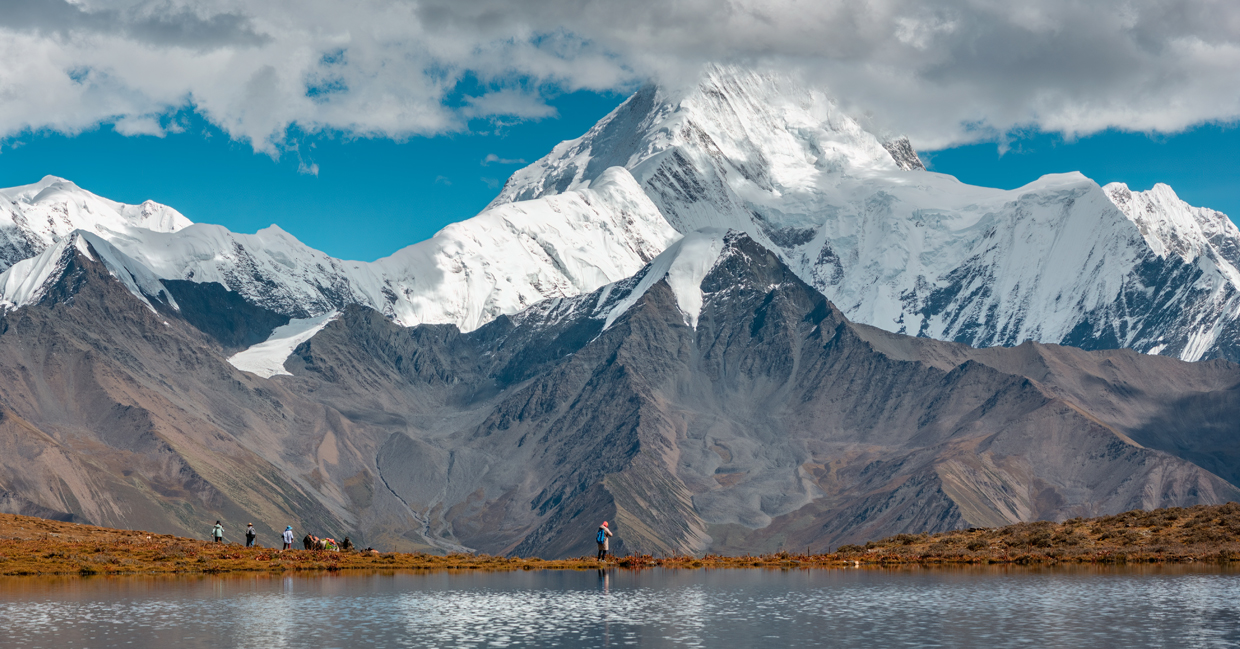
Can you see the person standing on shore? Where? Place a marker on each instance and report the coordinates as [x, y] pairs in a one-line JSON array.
[[218, 532], [603, 534], [288, 537], [250, 535]]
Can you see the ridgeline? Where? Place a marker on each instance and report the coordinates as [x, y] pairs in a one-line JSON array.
[[36, 546]]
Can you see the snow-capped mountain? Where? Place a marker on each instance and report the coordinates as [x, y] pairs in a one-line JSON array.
[[497, 262], [1060, 260]]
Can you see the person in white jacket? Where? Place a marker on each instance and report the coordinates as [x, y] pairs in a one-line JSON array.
[[604, 533], [288, 537]]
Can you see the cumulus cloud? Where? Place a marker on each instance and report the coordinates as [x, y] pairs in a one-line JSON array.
[[942, 71]]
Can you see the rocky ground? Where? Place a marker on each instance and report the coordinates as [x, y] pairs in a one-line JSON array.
[[35, 546], [1174, 534]]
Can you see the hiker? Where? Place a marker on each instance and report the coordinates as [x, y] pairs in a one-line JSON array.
[[603, 533], [250, 535], [288, 537], [218, 532], [346, 544]]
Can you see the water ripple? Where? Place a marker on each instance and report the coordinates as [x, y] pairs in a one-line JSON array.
[[856, 608]]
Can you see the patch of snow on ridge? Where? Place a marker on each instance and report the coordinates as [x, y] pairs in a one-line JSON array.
[[684, 264], [26, 282], [266, 359]]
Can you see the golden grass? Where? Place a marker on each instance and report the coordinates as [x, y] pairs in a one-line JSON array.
[[34, 546]]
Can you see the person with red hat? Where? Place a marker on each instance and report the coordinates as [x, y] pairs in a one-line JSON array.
[[603, 533]]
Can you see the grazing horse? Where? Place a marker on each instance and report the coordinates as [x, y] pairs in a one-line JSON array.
[[310, 541], [346, 544]]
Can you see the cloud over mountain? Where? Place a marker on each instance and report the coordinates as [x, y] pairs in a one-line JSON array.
[[944, 71]]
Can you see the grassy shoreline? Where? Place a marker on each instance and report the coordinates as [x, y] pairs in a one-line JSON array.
[[35, 546]]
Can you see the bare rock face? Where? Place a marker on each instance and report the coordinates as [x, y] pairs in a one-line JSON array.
[[712, 402], [904, 154]]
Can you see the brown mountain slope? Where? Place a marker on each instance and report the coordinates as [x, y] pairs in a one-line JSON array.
[[120, 416], [774, 423]]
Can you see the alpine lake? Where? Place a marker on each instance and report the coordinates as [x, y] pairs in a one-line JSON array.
[[1193, 605]]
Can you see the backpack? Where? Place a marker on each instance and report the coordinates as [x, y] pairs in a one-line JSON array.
[[602, 535]]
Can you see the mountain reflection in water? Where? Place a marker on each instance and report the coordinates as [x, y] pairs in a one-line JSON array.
[[980, 607]]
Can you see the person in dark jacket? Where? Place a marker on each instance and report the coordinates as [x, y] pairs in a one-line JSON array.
[[250, 535]]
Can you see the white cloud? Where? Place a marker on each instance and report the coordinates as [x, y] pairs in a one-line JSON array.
[[494, 159], [508, 102], [943, 71], [138, 125]]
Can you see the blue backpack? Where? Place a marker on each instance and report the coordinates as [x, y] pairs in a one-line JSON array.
[[602, 535]]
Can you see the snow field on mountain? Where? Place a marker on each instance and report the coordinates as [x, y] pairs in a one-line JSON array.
[[514, 255], [684, 265], [266, 359]]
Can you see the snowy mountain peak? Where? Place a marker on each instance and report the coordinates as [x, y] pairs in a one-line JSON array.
[[907, 250], [64, 203], [1172, 226], [36, 216], [736, 147]]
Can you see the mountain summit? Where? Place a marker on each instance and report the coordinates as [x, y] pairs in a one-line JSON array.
[[1060, 260]]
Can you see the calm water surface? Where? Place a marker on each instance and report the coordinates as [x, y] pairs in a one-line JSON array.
[[1135, 607]]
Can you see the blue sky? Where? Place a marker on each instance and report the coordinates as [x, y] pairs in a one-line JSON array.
[[373, 196]]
